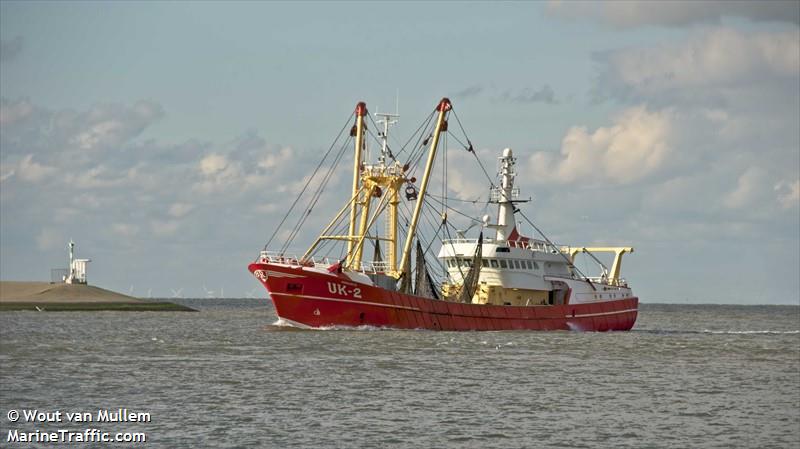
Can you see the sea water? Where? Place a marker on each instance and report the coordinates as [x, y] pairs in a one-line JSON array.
[[232, 376]]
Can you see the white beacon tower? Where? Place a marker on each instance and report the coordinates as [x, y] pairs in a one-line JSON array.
[[77, 267]]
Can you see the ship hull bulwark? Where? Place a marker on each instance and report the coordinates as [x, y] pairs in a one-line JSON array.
[[309, 298]]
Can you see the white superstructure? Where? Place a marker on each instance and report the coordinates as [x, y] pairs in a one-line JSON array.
[[517, 270]]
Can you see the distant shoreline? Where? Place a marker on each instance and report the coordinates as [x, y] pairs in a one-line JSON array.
[[58, 297]]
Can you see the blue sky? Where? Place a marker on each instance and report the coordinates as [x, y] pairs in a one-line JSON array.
[[166, 138]]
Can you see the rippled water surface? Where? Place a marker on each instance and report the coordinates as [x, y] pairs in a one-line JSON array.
[[686, 376]]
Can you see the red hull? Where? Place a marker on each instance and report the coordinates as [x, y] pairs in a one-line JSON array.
[[313, 299]]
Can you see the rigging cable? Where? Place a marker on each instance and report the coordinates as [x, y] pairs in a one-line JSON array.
[[315, 197], [422, 125], [277, 228], [470, 149], [557, 250]]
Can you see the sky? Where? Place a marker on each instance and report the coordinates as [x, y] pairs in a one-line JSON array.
[[168, 139]]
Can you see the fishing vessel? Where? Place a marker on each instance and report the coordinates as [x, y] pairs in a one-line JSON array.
[[496, 279]]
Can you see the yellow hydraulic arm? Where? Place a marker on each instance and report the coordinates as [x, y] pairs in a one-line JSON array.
[[618, 252]]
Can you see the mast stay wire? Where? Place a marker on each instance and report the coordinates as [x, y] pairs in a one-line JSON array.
[[277, 228], [470, 149], [315, 197], [419, 152], [557, 250], [421, 126]]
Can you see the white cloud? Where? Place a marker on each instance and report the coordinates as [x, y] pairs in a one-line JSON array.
[[468, 182], [179, 210], [213, 164], [219, 173], [545, 94], [11, 112], [717, 59], [71, 134], [636, 145], [267, 208], [6, 172], [788, 194], [99, 133], [275, 160], [163, 228], [125, 230], [753, 189], [109, 126], [631, 13], [32, 171], [97, 177], [50, 239], [723, 106]]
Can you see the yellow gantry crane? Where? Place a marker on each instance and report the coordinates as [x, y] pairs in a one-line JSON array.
[[381, 182]]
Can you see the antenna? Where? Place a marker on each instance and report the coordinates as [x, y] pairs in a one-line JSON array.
[[387, 119]]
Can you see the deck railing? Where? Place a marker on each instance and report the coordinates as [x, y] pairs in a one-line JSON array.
[[368, 267], [533, 245]]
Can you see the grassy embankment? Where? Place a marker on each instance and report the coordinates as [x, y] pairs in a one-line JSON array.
[[43, 296]]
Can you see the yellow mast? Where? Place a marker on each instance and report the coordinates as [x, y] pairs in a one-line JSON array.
[[366, 224], [394, 201], [361, 110], [363, 227], [384, 181], [443, 108]]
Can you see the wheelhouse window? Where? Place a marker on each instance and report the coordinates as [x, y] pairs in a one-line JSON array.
[[494, 263], [503, 264]]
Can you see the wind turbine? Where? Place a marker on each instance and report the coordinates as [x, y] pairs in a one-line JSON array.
[[251, 293], [209, 293], [177, 293]]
